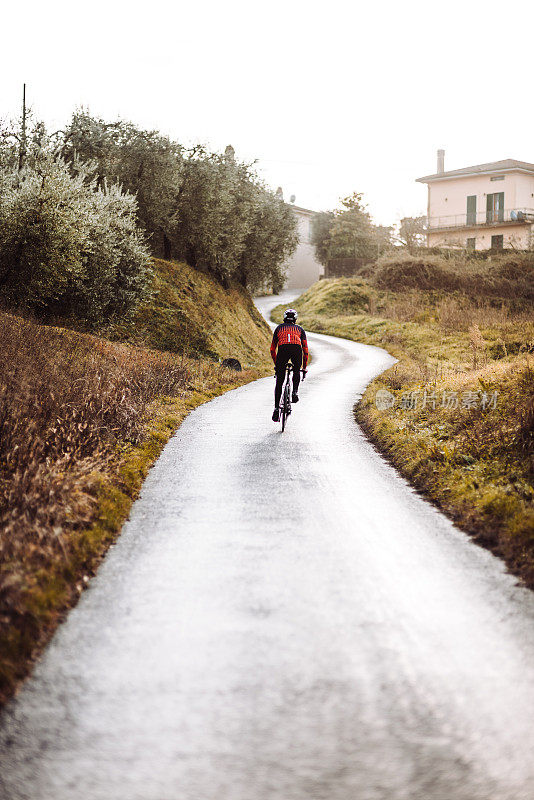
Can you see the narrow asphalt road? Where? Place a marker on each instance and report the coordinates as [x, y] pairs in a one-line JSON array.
[[283, 619]]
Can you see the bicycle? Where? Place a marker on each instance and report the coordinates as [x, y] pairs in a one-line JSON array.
[[285, 400]]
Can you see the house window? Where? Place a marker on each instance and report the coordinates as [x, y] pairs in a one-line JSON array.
[[471, 243], [495, 207], [497, 242], [472, 209], [497, 178]]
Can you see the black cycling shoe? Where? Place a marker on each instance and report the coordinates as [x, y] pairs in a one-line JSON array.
[[276, 415], [294, 397]]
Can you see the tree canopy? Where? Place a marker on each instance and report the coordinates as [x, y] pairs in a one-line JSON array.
[[412, 232], [348, 232], [67, 245], [83, 210], [208, 209]]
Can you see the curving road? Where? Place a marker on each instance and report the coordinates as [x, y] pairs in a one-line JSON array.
[[283, 619]]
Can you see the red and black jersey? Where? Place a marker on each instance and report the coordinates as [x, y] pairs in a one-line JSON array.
[[288, 333]]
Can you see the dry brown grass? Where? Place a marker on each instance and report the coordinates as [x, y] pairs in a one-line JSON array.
[[476, 463], [70, 406], [508, 276], [65, 400], [82, 419], [524, 435], [453, 312]]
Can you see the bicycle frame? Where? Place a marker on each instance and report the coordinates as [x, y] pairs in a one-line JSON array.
[[285, 400]]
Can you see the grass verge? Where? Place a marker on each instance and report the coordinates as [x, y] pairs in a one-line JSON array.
[[45, 594], [190, 312], [460, 421], [82, 419]]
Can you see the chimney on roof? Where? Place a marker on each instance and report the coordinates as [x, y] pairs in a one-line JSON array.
[[441, 160]]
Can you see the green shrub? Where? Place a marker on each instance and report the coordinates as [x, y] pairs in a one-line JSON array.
[[68, 247]]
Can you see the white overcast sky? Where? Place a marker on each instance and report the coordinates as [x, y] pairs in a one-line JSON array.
[[330, 97]]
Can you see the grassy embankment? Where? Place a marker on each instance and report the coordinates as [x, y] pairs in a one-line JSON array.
[[462, 330], [82, 419]]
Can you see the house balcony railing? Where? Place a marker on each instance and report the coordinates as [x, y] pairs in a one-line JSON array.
[[505, 216]]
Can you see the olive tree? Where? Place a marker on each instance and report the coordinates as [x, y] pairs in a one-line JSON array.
[[271, 240], [68, 246], [208, 209], [145, 163], [230, 224]]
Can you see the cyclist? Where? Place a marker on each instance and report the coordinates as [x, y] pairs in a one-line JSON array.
[[290, 339]]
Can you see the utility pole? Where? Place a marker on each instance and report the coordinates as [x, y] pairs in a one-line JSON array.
[[22, 148]]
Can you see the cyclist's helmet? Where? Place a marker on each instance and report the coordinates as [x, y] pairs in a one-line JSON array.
[[290, 315]]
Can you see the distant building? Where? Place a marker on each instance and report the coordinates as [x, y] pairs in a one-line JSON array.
[[302, 267], [481, 207]]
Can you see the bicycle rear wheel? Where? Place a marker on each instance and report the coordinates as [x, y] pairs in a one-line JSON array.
[[286, 407]]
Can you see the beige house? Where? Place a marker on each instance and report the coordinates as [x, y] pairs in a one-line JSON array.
[[481, 207], [302, 268]]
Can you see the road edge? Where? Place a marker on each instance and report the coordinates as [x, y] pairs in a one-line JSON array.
[[511, 542], [55, 591]]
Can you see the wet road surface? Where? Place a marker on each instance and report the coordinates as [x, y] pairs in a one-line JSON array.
[[283, 619]]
